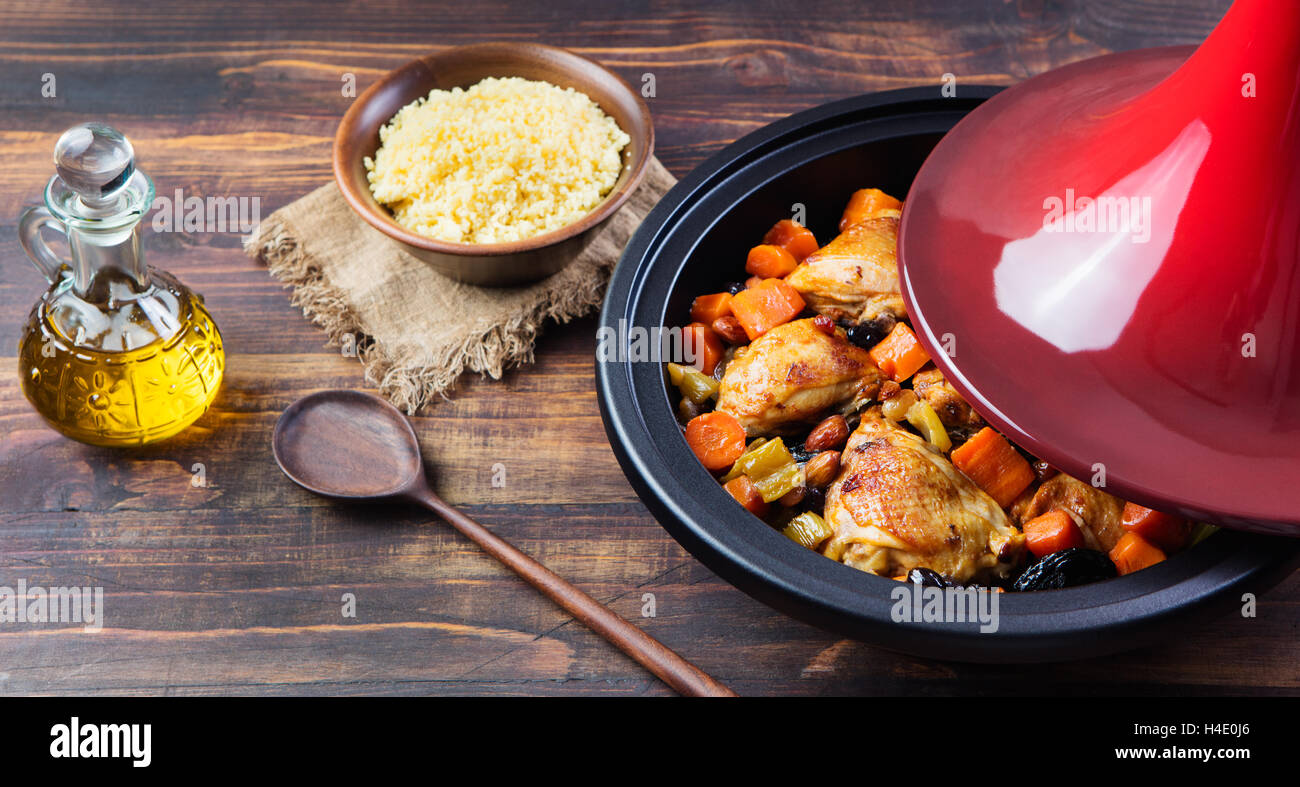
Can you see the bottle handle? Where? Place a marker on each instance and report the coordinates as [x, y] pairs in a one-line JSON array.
[[30, 224]]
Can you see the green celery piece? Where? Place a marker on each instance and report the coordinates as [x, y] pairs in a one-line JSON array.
[[760, 460], [807, 530]]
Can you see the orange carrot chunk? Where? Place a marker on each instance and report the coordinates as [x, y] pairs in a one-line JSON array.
[[866, 204], [717, 438], [708, 308], [747, 494], [1166, 531], [900, 355], [770, 262], [793, 237], [766, 305], [1134, 553], [1052, 532], [701, 343], [994, 465]]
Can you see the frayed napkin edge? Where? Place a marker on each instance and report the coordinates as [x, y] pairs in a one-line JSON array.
[[409, 385]]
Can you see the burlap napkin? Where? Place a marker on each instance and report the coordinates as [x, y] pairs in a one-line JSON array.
[[414, 329]]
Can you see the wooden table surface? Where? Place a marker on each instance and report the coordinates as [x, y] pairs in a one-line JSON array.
[[237, 586]]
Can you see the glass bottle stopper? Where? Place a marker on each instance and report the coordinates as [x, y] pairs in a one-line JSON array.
[[96, 161]]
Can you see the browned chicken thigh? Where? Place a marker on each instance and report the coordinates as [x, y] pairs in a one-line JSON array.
[[1099, 513], [855, 276], [791, 375], [900, 504], [952, 409]]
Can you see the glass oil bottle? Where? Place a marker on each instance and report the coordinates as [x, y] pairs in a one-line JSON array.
[[115, 353]]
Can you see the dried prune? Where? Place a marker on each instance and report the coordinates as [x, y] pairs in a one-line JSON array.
[[800, 453], [927, 577], [960, 434], [1066, 568], [1042, 470], [815, 500], [864, 336]]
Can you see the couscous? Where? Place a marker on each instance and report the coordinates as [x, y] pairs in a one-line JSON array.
[[501, 161]]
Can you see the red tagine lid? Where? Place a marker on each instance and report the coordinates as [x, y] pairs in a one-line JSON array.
[[1105, 260]]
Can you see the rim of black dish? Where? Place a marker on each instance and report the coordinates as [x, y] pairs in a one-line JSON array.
[[685, 498]]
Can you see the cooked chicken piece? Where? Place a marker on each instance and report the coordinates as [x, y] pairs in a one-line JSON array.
[[792, 375], [855, 276], [1099, 513], [1016, 511], [934, 388], [899, 504]]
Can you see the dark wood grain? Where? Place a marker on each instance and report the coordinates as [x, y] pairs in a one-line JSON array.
[[237, 586], [355, 446]]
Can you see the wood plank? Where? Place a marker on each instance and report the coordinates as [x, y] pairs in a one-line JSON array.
[[416, 589]]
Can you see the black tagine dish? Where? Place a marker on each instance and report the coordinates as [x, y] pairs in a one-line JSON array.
[[807, 164]]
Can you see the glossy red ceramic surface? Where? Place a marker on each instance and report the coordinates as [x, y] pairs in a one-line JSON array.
[[1104, 259]]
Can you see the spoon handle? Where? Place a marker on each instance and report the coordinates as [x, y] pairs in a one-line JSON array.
[[649, 652]]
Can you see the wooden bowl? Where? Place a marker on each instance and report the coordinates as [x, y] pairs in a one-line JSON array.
[[490, 264]]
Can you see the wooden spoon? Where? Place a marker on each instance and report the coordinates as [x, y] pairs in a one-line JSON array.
[[356, 446]]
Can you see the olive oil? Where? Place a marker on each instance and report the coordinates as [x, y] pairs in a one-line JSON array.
[[120, 398], [115, 353]]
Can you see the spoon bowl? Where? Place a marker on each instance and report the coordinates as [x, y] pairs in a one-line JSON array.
[[349, 445]]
